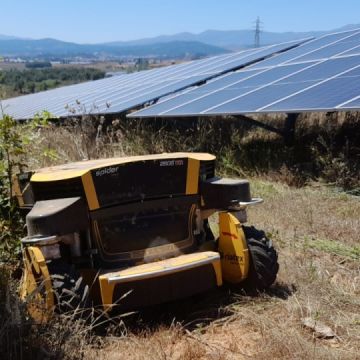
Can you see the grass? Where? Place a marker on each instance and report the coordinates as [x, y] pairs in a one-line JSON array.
[[335, 248], [314, 226], [318, 278], [314, 281], [324, 148]]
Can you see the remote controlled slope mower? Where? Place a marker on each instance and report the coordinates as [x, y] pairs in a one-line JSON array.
[[134, 232]]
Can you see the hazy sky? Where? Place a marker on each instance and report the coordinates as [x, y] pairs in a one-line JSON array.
[[108, 20]]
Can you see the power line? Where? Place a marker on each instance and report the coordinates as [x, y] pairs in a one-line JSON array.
[[258, 28]]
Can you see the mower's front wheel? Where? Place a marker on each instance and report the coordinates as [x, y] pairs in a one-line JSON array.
[[70, 291], [263, 266]]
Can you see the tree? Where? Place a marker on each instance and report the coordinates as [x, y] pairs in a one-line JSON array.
[[14, 139]]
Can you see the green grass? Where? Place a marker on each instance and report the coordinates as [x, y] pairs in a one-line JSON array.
[[335, 248]]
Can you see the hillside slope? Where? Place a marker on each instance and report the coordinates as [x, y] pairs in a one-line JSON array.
[[57, 48]]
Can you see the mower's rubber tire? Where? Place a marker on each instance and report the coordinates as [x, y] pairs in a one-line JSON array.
[[263, 265], [71, 294]]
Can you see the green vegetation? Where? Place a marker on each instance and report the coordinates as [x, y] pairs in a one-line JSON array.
[[16, 140], [38, 65], [335, 248], [325, 149], [314, 225], [16, 82], [322, 152]]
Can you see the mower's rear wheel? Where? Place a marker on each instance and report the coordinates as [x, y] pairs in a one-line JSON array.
[[263, 266], [70, 291]]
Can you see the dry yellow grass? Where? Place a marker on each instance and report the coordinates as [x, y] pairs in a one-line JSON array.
[[316, 232], [316, 280]]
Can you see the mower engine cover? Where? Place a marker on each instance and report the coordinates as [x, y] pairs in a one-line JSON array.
[[57, 217], [223, 193]]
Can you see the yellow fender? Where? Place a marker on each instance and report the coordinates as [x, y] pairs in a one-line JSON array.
[[36, 287], [233, 249]]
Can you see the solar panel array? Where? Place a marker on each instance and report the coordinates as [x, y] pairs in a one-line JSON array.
[[320, 75], [120, 93]]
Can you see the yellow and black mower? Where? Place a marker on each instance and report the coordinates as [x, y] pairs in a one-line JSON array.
[[100, 229]]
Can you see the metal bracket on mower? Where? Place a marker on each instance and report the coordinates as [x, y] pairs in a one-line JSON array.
[[39, 240]]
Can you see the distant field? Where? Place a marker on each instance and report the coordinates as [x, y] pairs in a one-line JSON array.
[[101, 65], [113, 65], [8, 66]]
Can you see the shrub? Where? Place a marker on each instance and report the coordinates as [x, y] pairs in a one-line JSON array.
[[15, 142]]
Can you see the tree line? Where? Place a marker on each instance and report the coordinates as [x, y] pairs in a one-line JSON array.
[[20, 82]]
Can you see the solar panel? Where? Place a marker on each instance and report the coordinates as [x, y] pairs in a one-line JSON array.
[[305, 48], [121, 93], [321, 74], [252, 101], [350, 104], [324, 95], [205, 99]]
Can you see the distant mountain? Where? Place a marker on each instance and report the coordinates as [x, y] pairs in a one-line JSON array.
[[182, 45], [57, 48], [7, 37], [232, 39]]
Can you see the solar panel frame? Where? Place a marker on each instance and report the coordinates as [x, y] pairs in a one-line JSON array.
[[304, 49], [258, 87], [93, 97], [333, 83], [351, 104], [240, 88], [308, 80], [246, 91], [326, 52]]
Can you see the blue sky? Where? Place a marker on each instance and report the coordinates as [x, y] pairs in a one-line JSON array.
[[94, 21]]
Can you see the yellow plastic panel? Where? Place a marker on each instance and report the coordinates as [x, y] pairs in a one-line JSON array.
[[233, 249]]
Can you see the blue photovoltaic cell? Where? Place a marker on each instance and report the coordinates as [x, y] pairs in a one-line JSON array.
[[336, 48], [166, 105], [246, 99], [227, 62], [327, 52], [202, 103], [353, 104], [272, 74], [355, 37], [354, 51], [315, 75], [353, 72], [257, 99], [143, 98], [223, 89], [121, 93], [325, 69], [249, 58], [293, 54], [227, 80], [293, 86], [326, 95], [203, 99]]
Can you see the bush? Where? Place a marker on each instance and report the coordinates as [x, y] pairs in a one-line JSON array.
[[15, 142], [324, 148], [38, 65]]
